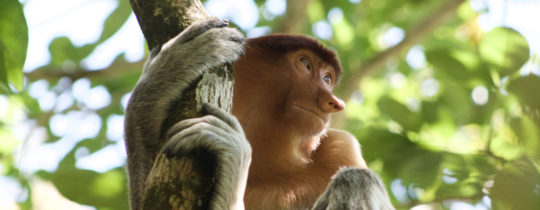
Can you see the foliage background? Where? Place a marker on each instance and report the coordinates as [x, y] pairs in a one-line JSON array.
[[447, 110]]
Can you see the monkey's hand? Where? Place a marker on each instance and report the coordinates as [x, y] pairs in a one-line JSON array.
[[354, 188], [221, 134], [203, 45]]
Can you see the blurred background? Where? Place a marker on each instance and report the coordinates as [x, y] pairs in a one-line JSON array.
[[444, 96]]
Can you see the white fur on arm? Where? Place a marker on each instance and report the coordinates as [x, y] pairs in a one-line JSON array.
[[355, 188]]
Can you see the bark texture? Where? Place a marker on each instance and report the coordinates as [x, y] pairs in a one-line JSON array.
[[160, 20]]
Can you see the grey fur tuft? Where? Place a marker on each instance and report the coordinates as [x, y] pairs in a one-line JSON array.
[[354, 189]]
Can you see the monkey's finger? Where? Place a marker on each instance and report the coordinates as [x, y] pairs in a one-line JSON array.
[[200, 27], [182, 144], [210, 109], [209, 120], [199, 136]]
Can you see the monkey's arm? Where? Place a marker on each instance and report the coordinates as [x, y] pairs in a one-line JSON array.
[[167, 73], [339, 149], [354, 186]]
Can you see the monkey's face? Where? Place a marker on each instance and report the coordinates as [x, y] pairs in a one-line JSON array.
[[291, 92], [310, 101]]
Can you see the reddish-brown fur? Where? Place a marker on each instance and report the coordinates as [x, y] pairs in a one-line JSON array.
[[284, 109]]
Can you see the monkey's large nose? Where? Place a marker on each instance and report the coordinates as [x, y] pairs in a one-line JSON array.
[[331, 104]]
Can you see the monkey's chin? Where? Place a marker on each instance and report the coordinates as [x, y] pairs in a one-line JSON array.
[[311, 112], [308, 121]]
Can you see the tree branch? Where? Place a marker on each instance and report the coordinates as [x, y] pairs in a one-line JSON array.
[[115, 70], [294, 19], [350, 81], [161, 20]]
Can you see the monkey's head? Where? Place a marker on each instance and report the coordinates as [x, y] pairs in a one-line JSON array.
[[287, 80]]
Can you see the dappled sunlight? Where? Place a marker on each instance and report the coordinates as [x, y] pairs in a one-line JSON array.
[[480, 95]]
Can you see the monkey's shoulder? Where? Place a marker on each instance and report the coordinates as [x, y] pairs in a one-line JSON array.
[[343, 145], [340, 134], [341, 137]]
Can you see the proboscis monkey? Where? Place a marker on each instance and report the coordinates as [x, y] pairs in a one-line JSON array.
[[281, 106]]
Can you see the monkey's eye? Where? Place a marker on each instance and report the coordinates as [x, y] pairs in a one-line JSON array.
[[327, 79], [305, 61]]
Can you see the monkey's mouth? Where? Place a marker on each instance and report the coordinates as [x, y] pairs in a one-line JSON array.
[[312, 112]]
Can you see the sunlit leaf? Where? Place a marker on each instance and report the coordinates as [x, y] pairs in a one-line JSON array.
[[315, 11], [3, 70], [8, 142], [31, 104], [516, 186], [344, 34], [526, 88], [505, 48], [62, 51], [463, 166], [505, 143], [89, 187], [421, 169], [13, 43], [465, 175], [92, 188], [465, 11], [115, 20], [258, 2], [93, 145], [456, 99], [109, 184], [399, 113], [429, 111], [415, 166], [528, 135], [446, 65], [123, 83]]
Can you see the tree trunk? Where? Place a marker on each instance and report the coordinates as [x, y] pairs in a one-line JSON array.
[[185, 182]]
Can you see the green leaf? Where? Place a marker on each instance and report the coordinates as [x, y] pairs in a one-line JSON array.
[[315, 11], [429, 111], [91, 188], [13, 43], [465, 175], [526, 89], [527, 134], [516, 186], [455, 99], [102, 190], [505, 49], [62, 50], [403, 159], [115, 20], [399, 113], [447, 66]]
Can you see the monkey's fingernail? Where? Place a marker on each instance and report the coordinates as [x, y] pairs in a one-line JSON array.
[[204, 109], [237, 39], [168, 153], [222, 23]]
